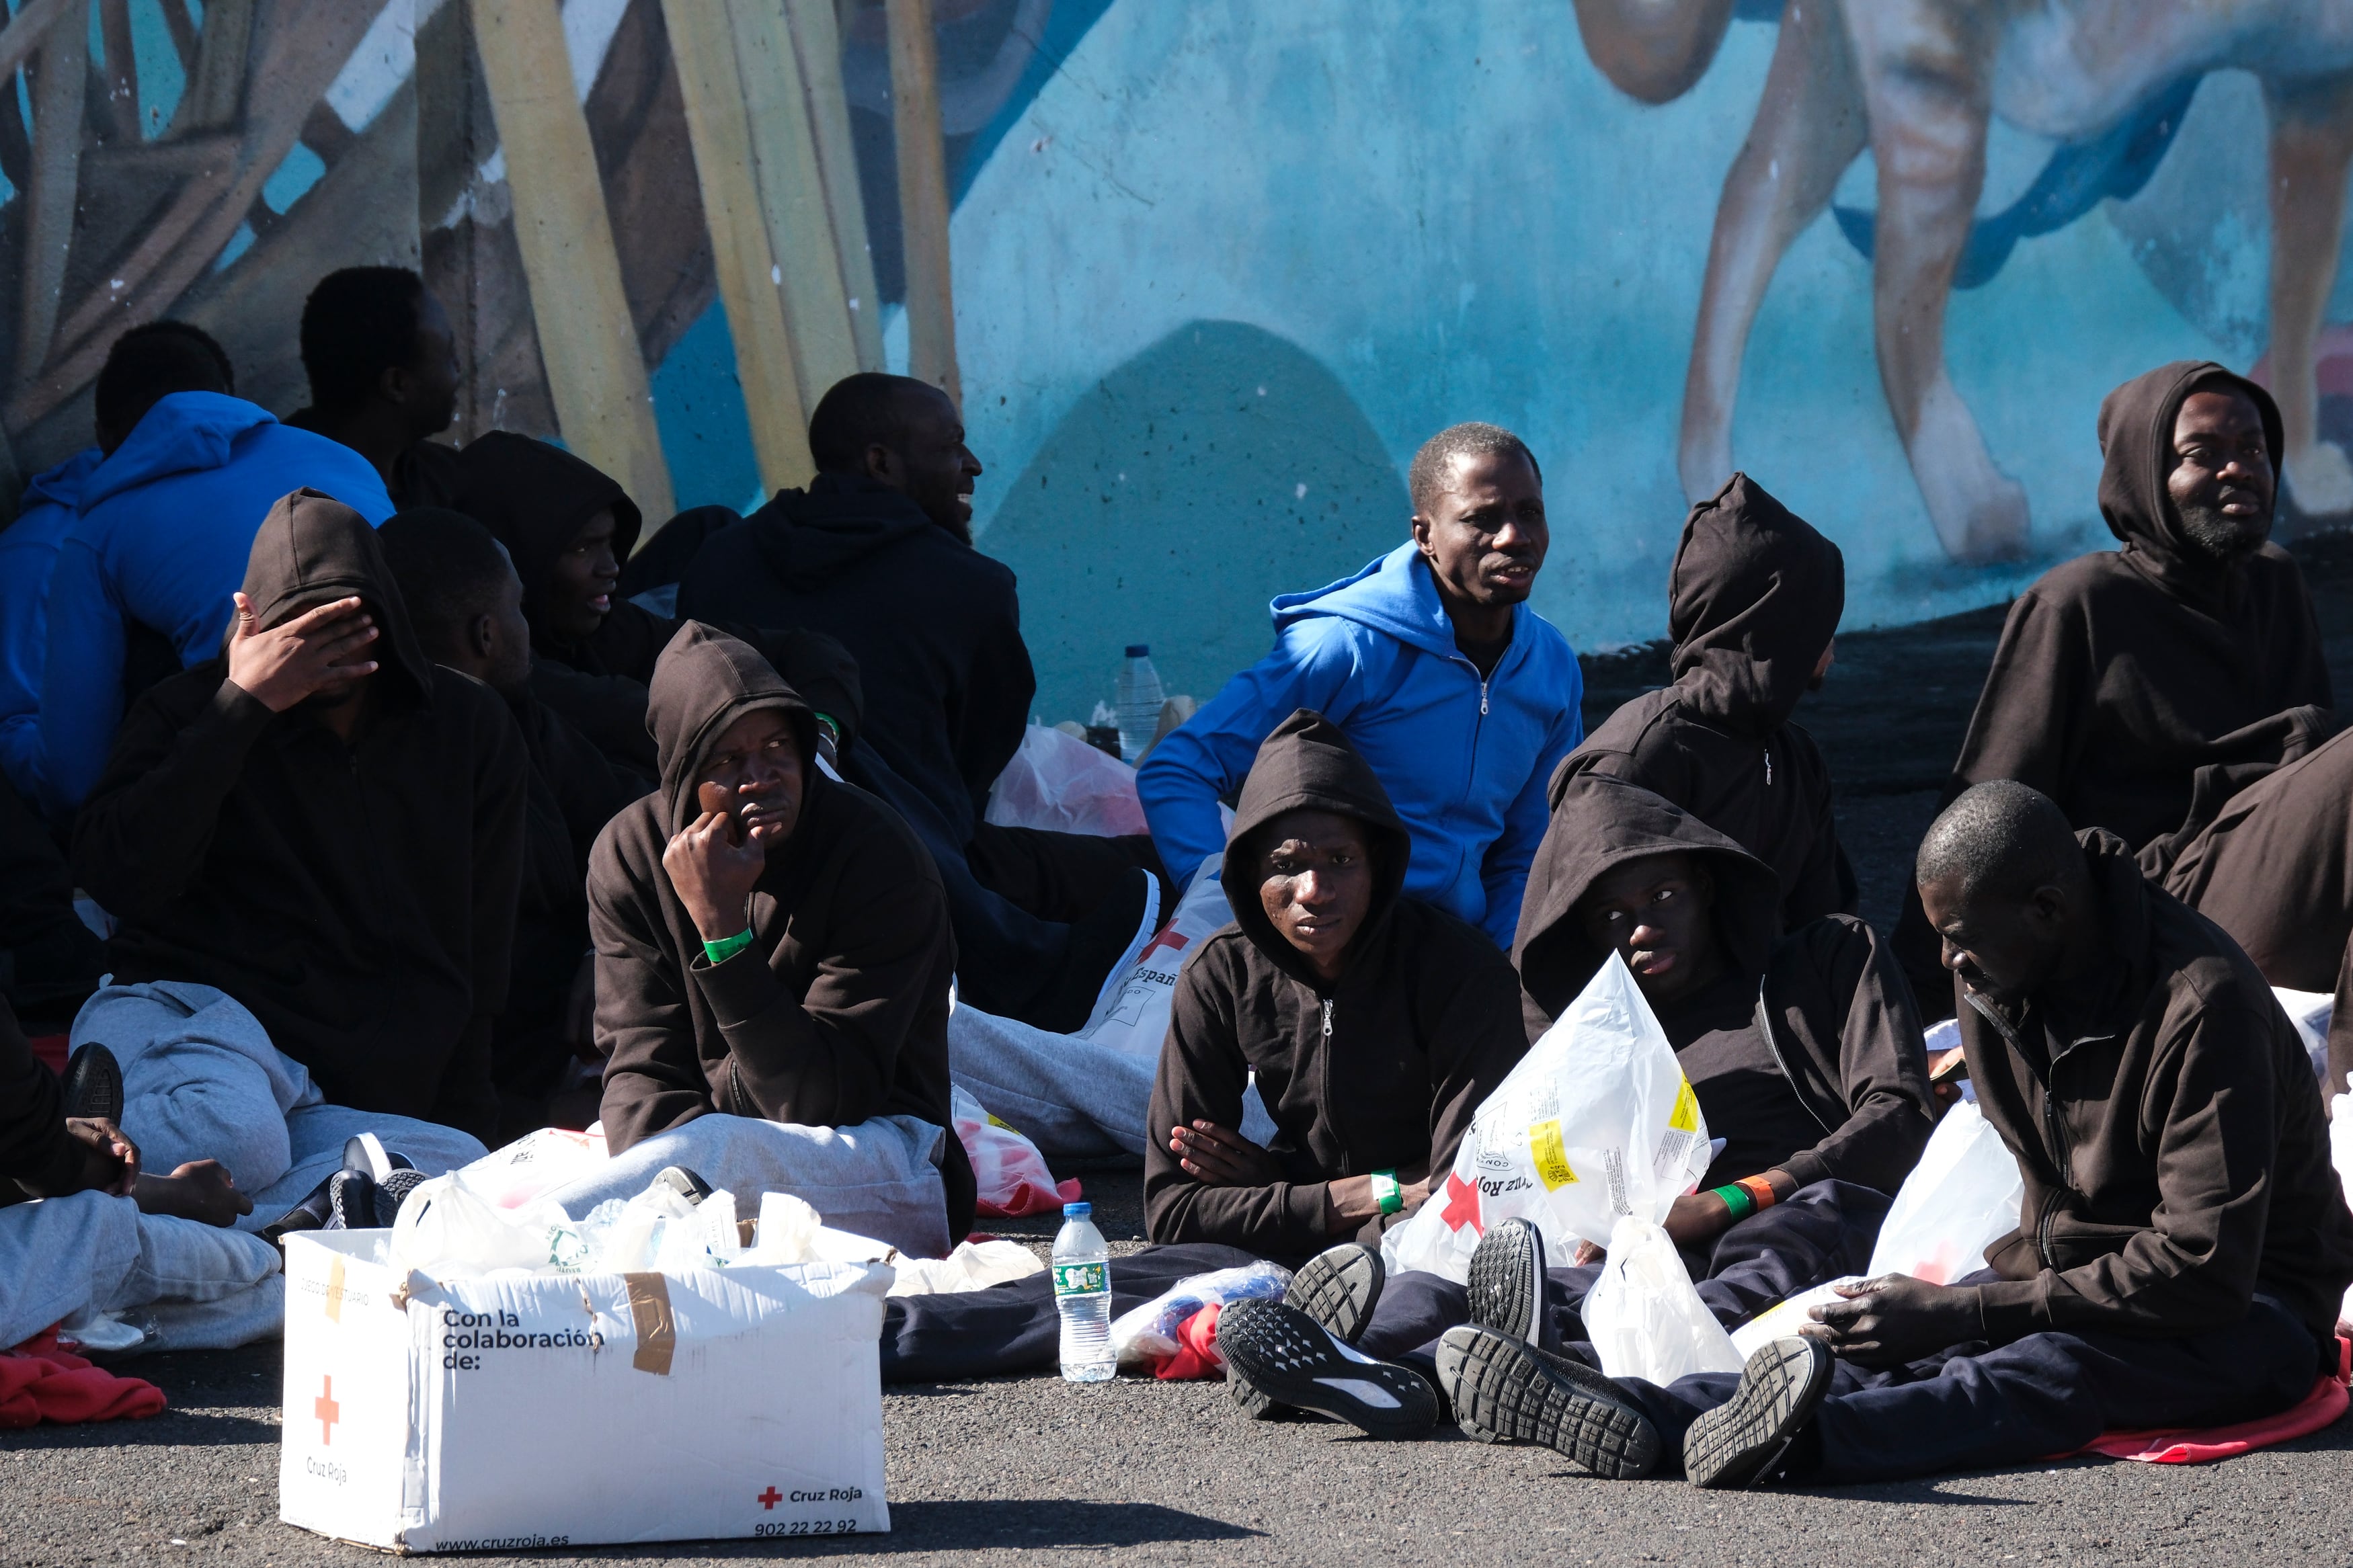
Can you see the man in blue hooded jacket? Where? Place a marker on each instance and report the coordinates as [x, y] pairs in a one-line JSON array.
[[28, 548], [1461, 698], [167, 522]]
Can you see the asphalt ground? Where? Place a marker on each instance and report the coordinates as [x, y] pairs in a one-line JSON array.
[[1014, 1469]]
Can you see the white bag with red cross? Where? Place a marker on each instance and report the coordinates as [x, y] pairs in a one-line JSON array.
[[1595, 1124], [1131, 1013]]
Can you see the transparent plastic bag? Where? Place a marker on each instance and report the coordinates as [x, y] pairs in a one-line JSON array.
[[451, 1228], [1642, 1315], [1144, 1336], [1008, 1170], [1963, 1196], [1597, 1122], [1059, 782]]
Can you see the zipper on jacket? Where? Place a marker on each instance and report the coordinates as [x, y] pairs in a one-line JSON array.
[[1327, 1021], [1765, 1027], [1483, 706], [1768, 767]]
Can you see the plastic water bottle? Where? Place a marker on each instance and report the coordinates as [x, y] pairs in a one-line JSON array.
[[1082, 1294], [1139, 701]]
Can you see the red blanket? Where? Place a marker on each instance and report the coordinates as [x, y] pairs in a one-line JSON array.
[[41, 1383], [2319, 1408]]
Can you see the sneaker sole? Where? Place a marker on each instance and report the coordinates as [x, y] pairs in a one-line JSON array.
[[1506, 1281], [1780, 1388], [1287, 1356], [1338, 1287], [1506, 1388]]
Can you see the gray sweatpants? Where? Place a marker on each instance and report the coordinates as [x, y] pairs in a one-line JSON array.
[[879, 1178], [193, 1287]]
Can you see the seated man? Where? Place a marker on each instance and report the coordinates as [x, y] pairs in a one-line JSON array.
[[50, 961], [29, 549], [878, 553], [1376, 1023], [1753, 603], [383, 366], [2183, 1247], [141, 585], [466, 602], [1461, 698], [772, 960], [2123, 674], [325, 826], [2274, 870], [568, 527]]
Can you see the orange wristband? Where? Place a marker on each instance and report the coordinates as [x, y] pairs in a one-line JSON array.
[[1760, 1189]]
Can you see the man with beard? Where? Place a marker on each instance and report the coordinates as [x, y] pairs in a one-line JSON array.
[[2183, 1246], [1753, 601], [466, 602], [876, 553], [2130, 683], [1460, 697]]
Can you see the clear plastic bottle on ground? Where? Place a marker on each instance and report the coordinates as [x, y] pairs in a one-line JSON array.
[[1139, 701], [1082, 1293]]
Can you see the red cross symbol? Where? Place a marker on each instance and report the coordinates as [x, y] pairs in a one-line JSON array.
[[1461, 1204], [1168, 938], [770, 1498], [327, 1411]]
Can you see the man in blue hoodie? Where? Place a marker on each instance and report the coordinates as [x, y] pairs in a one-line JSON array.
[[29, 549], [1461, 698], [167, 522]]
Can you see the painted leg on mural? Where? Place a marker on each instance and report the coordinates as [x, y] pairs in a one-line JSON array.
[[2312, 146], [1927, 73], [1809, 125]]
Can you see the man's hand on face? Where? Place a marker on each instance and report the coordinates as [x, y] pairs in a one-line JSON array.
[[288, 664], [1221, 1156], [1896, 1319], [109, 1161], [714, 865]]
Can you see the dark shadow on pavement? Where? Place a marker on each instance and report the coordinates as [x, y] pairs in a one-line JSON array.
[[971, 1525]]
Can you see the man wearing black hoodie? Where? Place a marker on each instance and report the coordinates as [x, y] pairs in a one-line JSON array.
[[2133, 684], [1753, 602], [2183, 1246], [325, 825], [877, 554], [773, 959]]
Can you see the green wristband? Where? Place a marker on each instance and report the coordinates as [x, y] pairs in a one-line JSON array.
[[725, 948], [1737, 1198], [1387, 1191]]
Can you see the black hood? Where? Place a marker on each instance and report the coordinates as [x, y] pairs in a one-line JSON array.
[[312, 548], [1598, 822], [704, 681], [1755, 597], [809, 537], [1307, 765], [536, 498], [2136, 440]]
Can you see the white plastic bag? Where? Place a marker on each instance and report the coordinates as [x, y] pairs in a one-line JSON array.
[[2310, 1012], [1596, 1122], [1006, 1168], [451, 1228], [1060, 783], [1644, 1317], [535, 1164], [1145, 1334], [973, 1265], [1784, 1318], [1131, 1015], [1963, 1196]]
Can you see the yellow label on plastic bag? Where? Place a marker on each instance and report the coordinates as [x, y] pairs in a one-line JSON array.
[[1684, 1118], [1551, 1157]]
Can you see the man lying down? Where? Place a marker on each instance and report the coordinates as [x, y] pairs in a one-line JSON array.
[[2183, 1244], [1820, 1119]]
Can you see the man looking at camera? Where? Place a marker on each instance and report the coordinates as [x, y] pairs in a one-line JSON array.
[[1460, 697], [772, 960]]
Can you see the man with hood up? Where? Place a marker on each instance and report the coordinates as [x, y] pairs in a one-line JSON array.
[[878, 553], [45, 513], [1460, 697], [320, 832], [774, 959], [2130, 683], [1376, 1023], [166, 521], [1754, 600], [569, 527]]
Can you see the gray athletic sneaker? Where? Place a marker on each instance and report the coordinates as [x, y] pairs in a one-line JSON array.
[[1742, 1440], [1505, 1389], [1299, 1362], [1338, 1287], [1507, 1281]]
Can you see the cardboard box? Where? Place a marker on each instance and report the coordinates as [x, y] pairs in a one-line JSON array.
[[570, 1409]]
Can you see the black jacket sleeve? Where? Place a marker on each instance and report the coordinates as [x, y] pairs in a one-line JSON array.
[[469, 1097], [35, 1147], [144, 832], [1834, 993]]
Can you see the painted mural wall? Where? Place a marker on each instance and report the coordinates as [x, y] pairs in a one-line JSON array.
[[1217, 267]]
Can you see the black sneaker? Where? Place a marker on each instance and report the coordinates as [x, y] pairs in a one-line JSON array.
[[352, 1196], [1504, 1388], [94, 1083], [393, 1191], [366, 1151], [1507, 1281], [1295, 1359], [679, 1181], [311, 1214], [1339, 1287], [1744, 1439]]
